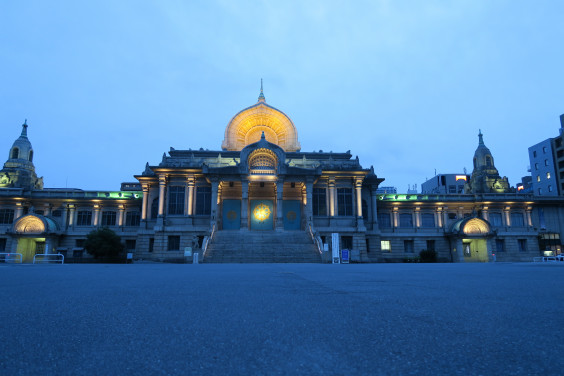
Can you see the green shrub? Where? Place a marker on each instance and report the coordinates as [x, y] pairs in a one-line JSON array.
[[103, 243], [428, 255]]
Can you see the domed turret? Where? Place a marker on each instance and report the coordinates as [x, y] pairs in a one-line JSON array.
[[485, 177], [19, 171], [247, 126]]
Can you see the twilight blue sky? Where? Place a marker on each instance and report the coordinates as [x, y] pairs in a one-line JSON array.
[[109, 85]]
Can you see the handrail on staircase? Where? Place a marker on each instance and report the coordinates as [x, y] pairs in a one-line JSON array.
[[315, 238], [208, 239]]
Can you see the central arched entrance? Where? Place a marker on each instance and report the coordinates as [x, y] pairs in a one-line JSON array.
[[471, 237]]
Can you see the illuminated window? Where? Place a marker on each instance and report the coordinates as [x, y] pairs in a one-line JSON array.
[[319, 203], [109, 218], [176, 200], [6, 216], [406, 220], [386, 246], [538, 178], [548, 175], [262, 162]]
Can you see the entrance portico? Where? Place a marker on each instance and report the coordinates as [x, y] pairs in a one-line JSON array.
[[471, 240]]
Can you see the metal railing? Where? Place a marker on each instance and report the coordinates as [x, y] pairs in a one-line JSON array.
[[208, 240], [11, 257], [46, 258], [315, 238]]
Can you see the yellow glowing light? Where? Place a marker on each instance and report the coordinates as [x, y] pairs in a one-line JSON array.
[[460, 177], [261, 212]]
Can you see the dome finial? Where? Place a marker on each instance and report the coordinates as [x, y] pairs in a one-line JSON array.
[[24, 128], [262, 136], [480, 137], [261, 96]]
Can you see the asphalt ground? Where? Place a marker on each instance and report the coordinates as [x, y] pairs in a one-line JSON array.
[[282, 319]]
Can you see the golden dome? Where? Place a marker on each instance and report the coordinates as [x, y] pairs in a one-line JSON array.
[[247, 126]]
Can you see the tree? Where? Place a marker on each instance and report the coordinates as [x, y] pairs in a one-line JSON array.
[[102, 243]]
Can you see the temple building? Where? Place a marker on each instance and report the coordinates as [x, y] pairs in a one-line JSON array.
[[259, 198]]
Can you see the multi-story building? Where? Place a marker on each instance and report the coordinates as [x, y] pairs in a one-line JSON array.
[[547, 165], [261, 191], [446, 184]]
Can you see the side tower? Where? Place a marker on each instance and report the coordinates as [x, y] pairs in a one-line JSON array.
[[485, 177], [19, 171]]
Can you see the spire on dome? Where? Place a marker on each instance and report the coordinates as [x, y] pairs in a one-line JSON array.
[[261, 96], [24, 128], [480, 138], [262, 136]]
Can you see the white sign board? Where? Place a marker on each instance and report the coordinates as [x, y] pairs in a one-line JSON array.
[[335, 248], [187, 251]]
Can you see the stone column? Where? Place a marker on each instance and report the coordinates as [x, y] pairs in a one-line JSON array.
[[145, 188], [19, 210], [528, 217], [47, 210], [71, 216], [439, 217], [485, 214], [332, 197], [395, 217], [190, 183], [64, 217], [358, 194], [279, 199], [459, 255], [417, 217], [96, 217], [309, 200], [214, 190], [445, 216], [506, 216], [374, 199], [162, 192], [121, 212], [244, 204]]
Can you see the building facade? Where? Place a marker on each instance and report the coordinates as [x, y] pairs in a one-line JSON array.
[[260, 184]]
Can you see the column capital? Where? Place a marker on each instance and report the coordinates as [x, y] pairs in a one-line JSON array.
[[163, 179], [121, 207], [191, 180], [145, 187]]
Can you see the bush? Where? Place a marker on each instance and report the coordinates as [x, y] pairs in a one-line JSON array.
[[103, 243], [428, 255]]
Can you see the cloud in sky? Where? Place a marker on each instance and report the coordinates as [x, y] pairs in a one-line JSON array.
[[406, 85]]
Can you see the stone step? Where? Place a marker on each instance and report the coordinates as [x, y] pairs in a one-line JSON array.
[[262, 247]]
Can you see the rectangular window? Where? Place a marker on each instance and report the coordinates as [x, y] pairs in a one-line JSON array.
[[428, 220], [3, 244], [550, 188], [495, 219], [203, 201], [174, 243], [540, 191], [534, 154], [517, 220], [346, 242], [57, 213], [109, 218], [151, 244], [319, 201], [548, 175], [408, 246], [176, 200], [130, 244], [546, 162], [522, 245], [385, 246], [6, 216], [460, 189], [384, 220], [500, 245], [544, 149], [452, 189], [345, 201], [132, 218], [84, 218], [430, 245], [406, 220], [536, 166], [451, 215]]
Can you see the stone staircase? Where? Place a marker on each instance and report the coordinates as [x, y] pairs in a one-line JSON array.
[[232, 246]]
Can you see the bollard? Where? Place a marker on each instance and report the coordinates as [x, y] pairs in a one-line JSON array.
[[195, 258]]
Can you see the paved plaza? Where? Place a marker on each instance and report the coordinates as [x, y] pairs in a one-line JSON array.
[[282, 319]]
